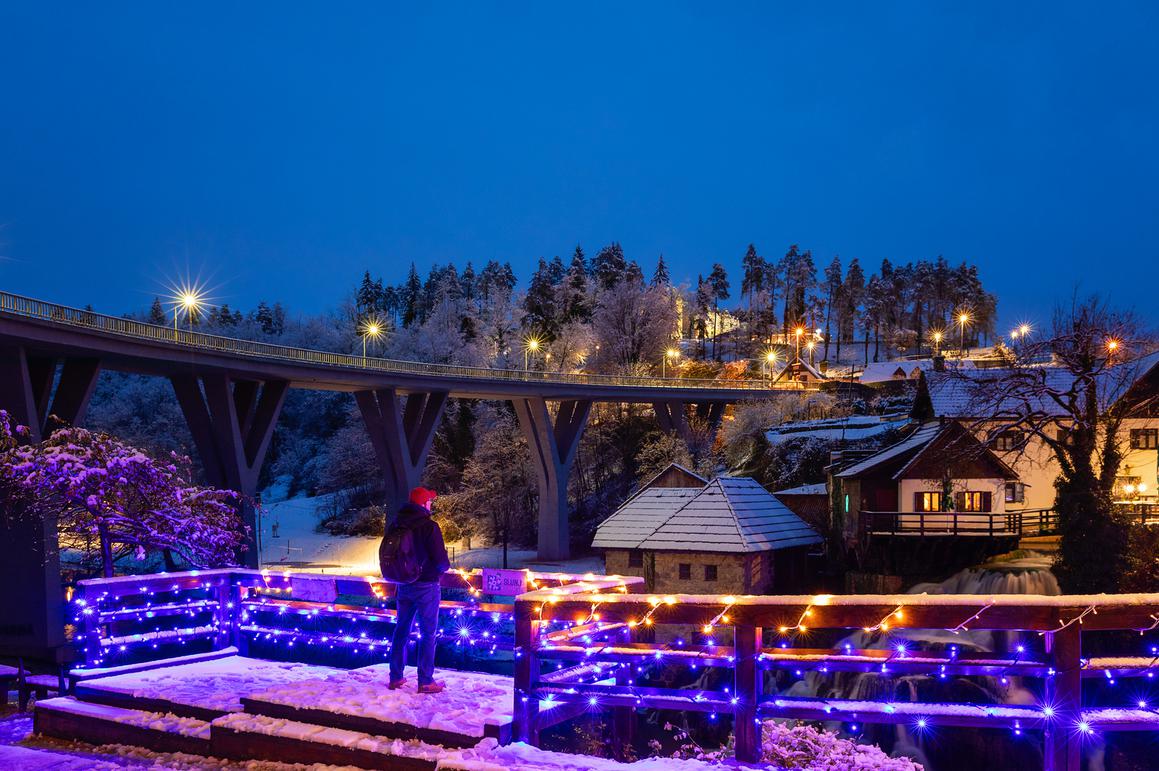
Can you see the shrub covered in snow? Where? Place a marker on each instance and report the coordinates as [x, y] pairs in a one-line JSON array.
[[803, 746]]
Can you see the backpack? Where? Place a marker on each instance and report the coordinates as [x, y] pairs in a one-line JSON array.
[[397, 556]]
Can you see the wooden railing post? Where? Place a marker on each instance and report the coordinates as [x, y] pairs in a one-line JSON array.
[[525, 714], [1064, 694], [747, 691], [623, 718]]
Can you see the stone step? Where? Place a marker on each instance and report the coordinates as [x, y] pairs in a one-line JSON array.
[[69, 718], [241, 736]]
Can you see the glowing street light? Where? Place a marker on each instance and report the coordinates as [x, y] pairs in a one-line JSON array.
[[769, 361], [371, 329], [189, 300], [963, 320], [798, 332], [671, 354], [1112, 345], [937, 342], [530, 346]]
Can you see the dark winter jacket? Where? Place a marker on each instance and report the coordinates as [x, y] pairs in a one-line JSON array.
[[428, 539]]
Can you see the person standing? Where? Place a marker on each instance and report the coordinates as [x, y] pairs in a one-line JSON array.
[[414, 556]]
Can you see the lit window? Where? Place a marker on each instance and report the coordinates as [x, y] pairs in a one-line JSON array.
[[1145, 438], [973, 501], [927, 501]]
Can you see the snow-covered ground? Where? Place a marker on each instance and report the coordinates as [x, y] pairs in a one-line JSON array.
[[299, 545], [852, 428], [216, 685], [471, 702]]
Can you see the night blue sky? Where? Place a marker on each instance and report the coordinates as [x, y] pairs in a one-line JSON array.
[[280, 149]]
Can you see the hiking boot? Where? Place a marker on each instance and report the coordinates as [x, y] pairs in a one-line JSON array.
[[394, 685], [432, 688]]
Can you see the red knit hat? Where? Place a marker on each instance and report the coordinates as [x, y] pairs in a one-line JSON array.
[[422, 496]]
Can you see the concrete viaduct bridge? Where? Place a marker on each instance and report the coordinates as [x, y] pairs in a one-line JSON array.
[[231, 393]]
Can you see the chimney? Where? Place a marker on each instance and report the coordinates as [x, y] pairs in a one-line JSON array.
[[939, 363]]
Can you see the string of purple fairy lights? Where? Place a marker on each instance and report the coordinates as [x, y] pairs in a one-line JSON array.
[[487, 632]]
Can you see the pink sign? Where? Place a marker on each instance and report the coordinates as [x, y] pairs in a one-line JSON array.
[[507, 582]]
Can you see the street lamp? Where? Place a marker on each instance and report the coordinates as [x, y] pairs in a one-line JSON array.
[[188, 300], [672, 354], [371, 330], [769, 361], [798, 332], [938, 343], [531, 345], [811, 345], [963, 320], [1112, 345]]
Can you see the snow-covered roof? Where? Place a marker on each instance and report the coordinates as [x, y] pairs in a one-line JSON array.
[[906, 369], [802, 365], [815, 489], [915, 441], [966, 394], [640, 515], [729, 514], [849, 429]]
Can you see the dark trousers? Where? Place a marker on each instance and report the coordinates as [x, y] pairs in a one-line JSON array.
[[420, 600]]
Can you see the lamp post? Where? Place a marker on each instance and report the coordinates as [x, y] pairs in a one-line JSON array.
[[811, 346], [963, 319], [371, 330], [1112, 347], [937, 343], [531, 345], [672, 354], [190, 302], [767, 364]]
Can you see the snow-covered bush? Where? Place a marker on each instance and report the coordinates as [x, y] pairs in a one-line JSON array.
[[803, 746]]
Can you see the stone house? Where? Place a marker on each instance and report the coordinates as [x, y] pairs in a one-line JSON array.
[[727, 536]]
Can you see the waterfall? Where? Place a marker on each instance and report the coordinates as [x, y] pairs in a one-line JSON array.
[[1019, 572]]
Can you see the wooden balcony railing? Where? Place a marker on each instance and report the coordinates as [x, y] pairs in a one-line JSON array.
[[1024, 522]]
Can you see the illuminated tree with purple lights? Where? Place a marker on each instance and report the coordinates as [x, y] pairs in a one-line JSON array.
[[128, 502]]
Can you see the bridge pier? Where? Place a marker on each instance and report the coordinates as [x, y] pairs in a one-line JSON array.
[[672, 416], [232, 422], [401, 434], [552, 445], [26, 389]]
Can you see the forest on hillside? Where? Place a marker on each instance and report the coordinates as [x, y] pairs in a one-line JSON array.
[[602, 314]]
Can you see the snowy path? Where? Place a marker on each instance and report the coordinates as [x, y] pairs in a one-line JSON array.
[[471, 703], [216, 685]]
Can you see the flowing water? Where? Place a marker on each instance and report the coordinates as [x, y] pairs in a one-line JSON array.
[[1015, 573]]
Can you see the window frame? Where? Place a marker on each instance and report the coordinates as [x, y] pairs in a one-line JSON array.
[[635, 558], [1145, 438], [711, 573], [923, 499], [1015, 492], [1008, 440], [684, 571]]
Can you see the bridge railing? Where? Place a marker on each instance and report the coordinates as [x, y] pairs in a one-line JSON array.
[[751, 636], [130, 620], [1024, 522], [75, 317]]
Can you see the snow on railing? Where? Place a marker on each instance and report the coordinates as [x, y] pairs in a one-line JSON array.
[[635, 636], [27, 307]]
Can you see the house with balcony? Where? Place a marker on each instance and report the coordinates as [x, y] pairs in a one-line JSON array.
[[725, 536], [962, 397]]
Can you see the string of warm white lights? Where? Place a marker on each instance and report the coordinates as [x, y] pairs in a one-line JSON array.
[[1091, 609], [962, 626]]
